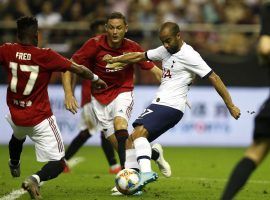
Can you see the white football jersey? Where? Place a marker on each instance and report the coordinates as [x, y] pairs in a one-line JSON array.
[[179, 70]]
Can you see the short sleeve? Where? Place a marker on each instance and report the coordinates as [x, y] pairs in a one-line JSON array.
[[194, 62], [55, 61], [156, 54], [85, 53]]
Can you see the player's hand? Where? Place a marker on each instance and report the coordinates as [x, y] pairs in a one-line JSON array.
[[108, 58], [99, 84], [71, 103], [235, 111], [113, 66]]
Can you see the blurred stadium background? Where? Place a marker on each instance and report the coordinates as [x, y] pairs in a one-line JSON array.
[[225, 33]]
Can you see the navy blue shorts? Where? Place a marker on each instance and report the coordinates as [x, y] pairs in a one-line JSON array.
[[262, 121], [157, 119]]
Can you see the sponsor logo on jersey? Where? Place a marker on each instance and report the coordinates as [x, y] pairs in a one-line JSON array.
[[114, 67]]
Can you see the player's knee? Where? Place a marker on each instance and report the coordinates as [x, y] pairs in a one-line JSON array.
[[120, 123], [139, 131], [258, 150]]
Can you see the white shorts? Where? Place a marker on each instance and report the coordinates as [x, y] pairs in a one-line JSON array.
[[89, 120], [46, 136], [121, 106]]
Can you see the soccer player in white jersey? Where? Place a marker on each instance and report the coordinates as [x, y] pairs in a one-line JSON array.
[[180, 64]]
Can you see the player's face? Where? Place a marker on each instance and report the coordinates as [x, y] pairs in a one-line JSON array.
[[170, 41], [116, 29]]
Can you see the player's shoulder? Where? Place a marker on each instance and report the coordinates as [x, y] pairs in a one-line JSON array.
[[97, 40], [188, 51], [131, 45], [130, 42], [160, 49], [189, 55], [8, 45], [43, 50]]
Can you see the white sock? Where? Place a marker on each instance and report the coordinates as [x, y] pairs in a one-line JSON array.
[[36, 177], [131, 159], [143, 153], [114, 166]]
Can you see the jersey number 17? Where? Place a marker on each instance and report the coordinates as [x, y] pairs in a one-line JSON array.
[[33, 69]]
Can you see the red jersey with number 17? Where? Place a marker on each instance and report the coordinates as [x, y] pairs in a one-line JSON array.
[[29, 70], [91, 55]]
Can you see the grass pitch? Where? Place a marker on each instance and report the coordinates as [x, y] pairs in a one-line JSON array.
[[198, 173]]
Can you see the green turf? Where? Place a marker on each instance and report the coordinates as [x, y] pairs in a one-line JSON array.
[[198, 173]]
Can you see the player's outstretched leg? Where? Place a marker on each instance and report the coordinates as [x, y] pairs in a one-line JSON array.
[[77, 143], [254, 155], [143, 153], [31, 186], [15, 150], [147, 177], [110, 156], [49, 171], [238, 178], [163, 165]]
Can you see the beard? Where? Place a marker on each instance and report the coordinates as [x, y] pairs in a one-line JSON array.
[[173, 50]]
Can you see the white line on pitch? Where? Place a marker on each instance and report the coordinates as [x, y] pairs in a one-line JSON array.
[[18, 193], [75, 161], [214, 179], [14, 194]]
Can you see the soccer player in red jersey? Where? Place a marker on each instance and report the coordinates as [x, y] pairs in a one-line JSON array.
[[29, 69], [112, 106], [87, 129]]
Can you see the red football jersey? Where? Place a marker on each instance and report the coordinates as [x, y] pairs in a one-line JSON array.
[[91, 54], [29, 70]]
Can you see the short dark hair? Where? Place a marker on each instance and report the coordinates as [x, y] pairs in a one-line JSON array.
[[173, 27], [26, 26], [117, 15], [95, 24]]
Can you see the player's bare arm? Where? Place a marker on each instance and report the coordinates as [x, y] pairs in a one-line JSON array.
[[264, 49], [131, 57], [71, 103], [264, 45], [157, 72], [223, 92], [84, 72]]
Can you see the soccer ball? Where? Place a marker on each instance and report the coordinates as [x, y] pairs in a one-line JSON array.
[[127, 181]]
